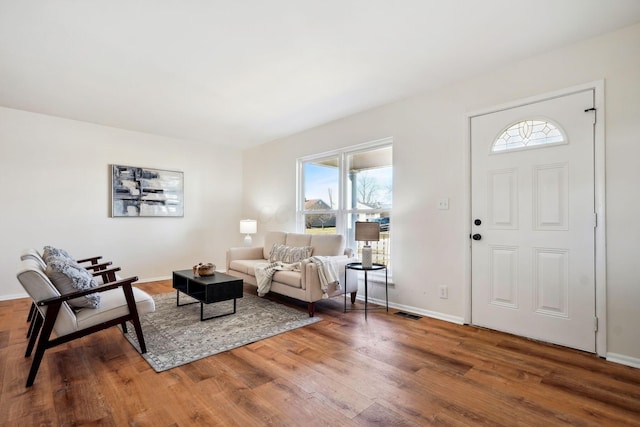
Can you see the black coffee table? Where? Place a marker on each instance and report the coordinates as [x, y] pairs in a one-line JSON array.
[[207, 289]]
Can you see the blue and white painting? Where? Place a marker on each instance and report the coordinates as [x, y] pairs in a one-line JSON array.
[[140, 192]]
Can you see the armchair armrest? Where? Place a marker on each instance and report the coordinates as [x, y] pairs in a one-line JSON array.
[[108, 286], [100, 266], [108, 275], [94, 260]]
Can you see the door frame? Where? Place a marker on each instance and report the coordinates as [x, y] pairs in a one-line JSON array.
[[598, 87]]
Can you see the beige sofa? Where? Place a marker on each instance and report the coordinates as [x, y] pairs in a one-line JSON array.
[[303, 285]]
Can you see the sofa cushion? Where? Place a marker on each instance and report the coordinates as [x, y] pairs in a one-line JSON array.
[[289, 254], [271, 239], [290, 278], [297, 239], [68, 276], [328, 244], [246, 266]]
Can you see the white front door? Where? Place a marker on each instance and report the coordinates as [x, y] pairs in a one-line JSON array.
[[533, 219]]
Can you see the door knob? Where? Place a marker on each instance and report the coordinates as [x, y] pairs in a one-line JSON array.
[[476, 237]]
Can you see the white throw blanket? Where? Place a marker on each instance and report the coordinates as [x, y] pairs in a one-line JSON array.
[[326, 273], [265, 272]]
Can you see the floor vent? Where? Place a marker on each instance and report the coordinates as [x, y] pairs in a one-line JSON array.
[[407, 315]]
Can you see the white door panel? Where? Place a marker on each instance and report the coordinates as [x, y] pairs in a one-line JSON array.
[[533, 269]]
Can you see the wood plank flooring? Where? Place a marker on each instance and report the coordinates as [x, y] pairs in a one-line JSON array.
[[342, 371]]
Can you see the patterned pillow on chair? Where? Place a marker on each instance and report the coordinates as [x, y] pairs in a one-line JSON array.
[[50, 251], [68, 276]]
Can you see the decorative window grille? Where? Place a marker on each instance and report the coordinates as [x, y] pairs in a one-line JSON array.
[[528, 134]]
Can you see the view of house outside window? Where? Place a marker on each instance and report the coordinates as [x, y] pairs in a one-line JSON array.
[[340, 188]]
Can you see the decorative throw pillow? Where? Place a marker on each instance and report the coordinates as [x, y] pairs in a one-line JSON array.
[[50, 251], [67, 276], [289, 254]]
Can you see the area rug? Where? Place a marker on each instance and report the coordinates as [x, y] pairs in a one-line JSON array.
[[175, 335]]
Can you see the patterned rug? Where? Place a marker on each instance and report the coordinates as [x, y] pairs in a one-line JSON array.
[[175, 335]]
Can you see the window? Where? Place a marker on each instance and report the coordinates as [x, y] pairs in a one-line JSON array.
[[339, 188], [321, 183], [528, 134]]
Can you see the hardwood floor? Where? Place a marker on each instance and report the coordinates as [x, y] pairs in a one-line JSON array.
[[342, 371]]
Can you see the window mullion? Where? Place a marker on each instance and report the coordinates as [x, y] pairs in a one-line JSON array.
[[341, 223]]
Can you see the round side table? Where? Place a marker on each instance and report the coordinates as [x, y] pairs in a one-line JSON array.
[[374, 267]]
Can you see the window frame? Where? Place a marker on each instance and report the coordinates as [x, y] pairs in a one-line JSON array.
[[344, 211], [526, 146]]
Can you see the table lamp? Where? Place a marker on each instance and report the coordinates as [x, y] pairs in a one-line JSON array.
[[367, 232], [248, 227]]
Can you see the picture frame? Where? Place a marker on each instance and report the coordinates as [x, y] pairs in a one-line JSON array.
[[146, 192]]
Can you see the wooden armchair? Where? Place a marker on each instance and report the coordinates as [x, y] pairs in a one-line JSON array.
[[119, 303], [98, 269]]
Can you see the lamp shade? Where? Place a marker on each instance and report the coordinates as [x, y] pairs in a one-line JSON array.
[[367, 231], [248, 226]]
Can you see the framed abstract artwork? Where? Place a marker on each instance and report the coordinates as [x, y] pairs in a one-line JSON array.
[[146, 192]]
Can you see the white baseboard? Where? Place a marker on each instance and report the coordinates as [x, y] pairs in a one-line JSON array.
[[13, 296], [634, 362], [414, 310], [154, 279]]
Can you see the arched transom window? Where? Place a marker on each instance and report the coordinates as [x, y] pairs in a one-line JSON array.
[[528, 134]]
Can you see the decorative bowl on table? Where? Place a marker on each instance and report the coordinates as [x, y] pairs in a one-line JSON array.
[[201, 269]]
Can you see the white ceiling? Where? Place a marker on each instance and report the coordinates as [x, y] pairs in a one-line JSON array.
[[244, 72]]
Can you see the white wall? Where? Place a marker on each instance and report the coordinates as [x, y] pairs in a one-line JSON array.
[[430, 246], [55, 179]]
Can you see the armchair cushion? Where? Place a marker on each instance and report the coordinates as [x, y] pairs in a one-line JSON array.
[[34, 255], [36, 282], [111, 306], [68, 276]]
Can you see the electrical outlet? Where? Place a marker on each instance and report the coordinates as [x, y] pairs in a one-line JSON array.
[[443, 204], [444, 292]]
